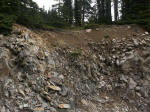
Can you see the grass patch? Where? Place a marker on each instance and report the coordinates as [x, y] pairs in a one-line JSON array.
[[75, 53], [106, 36], [91, 26]]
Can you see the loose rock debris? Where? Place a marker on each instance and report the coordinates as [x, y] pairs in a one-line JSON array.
[[112, 75]]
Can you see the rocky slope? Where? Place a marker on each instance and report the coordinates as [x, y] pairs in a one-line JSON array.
[[106, 75]]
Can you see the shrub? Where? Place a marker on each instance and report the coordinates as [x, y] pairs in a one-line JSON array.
[[91, 26], [76, 53], [59, 24], [45, 27], [147, 27], [106, 36]]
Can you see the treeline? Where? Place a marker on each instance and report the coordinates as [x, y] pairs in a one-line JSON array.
[[136, 11], [68, 13]]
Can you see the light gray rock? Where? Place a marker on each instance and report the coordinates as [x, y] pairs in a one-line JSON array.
[[52, 109], [129, 27], [135, 42], [26, 36], [1, 36], [138, 88], [97, 29], [64, 106], [88, 30], [3, 109], [132, 84], [124, 78], [146, 33], [25, 105], [64, 91]]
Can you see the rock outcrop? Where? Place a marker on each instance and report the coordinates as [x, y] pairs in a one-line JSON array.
[[112, 75]]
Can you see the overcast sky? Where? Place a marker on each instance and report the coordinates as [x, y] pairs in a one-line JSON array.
[[46, 3]]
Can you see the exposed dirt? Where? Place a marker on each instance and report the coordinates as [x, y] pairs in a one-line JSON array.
[[80, 38]]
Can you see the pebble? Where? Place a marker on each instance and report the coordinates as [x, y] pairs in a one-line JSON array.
[[137, 88], [97, 29], [55, 88], [88, 30], [1, 36], [21, 92], [146, 33], [64, 106], [84, 102], [39, 109], [124, 78]]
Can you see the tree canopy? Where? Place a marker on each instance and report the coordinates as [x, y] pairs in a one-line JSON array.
[[67, 13]]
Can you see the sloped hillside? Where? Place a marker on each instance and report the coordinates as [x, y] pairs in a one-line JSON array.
[[101, 70]]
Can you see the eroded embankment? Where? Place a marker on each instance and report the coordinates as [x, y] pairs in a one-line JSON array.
[[104, 70]]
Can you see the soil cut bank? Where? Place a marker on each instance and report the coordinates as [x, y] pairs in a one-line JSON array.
[[104, 70]]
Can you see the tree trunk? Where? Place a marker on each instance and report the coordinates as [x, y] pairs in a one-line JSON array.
[[78, 12], [83, 11], [108, 11], [116, 10], [101, 11]]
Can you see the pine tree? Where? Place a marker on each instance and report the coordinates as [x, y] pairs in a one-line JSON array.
[[8, 13], [101, 10], [86, 7], [68, 11], [77, 14], [108, 11], [136, 11], [58, 7], [104, 11]]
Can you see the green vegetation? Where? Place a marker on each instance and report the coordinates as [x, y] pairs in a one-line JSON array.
[[91, 26], [136, 11], [76, 53], [65, 14], [5, 23], [106, 36]]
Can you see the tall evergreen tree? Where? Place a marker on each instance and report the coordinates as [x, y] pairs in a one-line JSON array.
[[104, 11], [135, 10], [101, 11], [58, 7], [108, 11], [77, 12], [28, 13], [86, 7], [8, 13], [68, 11]]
